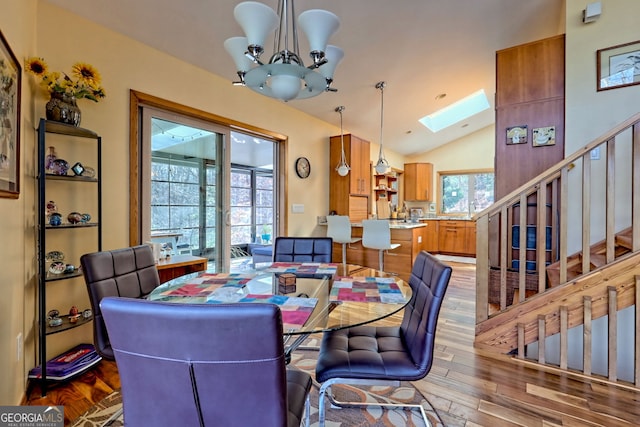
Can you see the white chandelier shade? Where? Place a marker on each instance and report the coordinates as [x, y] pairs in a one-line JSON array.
[[236, 46], [318, 25], [257, 21], [284, 76]]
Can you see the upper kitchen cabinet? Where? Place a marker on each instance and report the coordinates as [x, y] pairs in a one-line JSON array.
[[349, 195], [418, 180]]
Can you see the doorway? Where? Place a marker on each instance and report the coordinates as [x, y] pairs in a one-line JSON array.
[[205, 188]]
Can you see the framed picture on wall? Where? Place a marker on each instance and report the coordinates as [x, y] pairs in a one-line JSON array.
[[517, 135], [543, 136], [10, 84], [618, 66]]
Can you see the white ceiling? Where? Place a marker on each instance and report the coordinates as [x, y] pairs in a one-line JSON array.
[[421, 48]]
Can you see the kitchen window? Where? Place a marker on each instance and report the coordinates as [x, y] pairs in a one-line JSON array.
[[465, 193]]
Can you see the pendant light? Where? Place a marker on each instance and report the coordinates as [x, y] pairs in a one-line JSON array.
[[382, 166], [342, 168]]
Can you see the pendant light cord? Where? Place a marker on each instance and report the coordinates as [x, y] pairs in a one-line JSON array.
[[383, 165]]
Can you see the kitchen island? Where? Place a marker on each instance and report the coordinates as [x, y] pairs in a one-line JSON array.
[[410, 236], [434, 235]]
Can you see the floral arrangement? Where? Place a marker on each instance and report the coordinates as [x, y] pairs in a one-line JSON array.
[[85, 81]]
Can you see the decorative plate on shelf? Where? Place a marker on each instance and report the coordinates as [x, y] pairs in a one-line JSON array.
[[54, 256]]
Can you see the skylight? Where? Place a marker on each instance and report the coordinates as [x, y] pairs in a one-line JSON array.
[[459, 110]]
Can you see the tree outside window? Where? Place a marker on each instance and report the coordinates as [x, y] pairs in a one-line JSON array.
[[466, 193]]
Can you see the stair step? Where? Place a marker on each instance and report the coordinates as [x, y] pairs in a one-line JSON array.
[[624, 240]]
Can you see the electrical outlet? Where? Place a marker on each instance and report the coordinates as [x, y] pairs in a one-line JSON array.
[[419, 239], [19, 346]]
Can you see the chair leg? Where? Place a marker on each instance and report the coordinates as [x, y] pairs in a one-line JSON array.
[[381, 259], [326, 387], [113, 417], [344, 256]]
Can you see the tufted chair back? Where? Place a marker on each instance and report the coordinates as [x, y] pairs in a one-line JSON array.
[[302, 249], [127, 272], [429, 280]]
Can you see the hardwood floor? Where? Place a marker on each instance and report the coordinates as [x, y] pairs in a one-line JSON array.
[[466, 386]]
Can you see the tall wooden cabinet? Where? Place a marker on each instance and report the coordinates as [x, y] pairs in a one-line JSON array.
[[76, 195], [349, 195], [529, 92], [418, 182]]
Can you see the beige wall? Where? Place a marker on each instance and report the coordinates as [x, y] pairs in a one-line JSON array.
[[590, 113]]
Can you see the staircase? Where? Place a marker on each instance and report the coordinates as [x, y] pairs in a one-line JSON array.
[[581, 260]]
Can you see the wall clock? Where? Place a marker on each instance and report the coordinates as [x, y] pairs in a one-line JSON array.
[[303, 167]]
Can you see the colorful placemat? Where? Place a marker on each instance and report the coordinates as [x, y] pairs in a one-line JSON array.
[[295, 310], [367, 289], [207, 283], [304, 269]]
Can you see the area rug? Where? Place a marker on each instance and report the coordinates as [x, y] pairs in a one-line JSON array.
[[347, 417]]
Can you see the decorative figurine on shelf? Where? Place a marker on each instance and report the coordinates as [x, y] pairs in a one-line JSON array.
[[55, 219], [51, 157], [53, 316], [60, 167], [51, 207], [57, 267], [54, 256], [69, 268], [87, 313], [85, 218], [74, 217], [89, 172], [77, 169], [74, 315]]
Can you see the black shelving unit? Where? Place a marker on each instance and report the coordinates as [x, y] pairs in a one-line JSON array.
[[45, 278]]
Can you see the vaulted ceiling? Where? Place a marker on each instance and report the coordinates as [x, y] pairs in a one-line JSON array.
[[420, 48]]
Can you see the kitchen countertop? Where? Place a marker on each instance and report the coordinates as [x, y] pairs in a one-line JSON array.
[[397, 224]]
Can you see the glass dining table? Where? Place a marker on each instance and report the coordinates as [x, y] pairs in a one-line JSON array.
[[327, 296]]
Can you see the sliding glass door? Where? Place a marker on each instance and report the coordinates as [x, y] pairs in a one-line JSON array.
[[205, 189], [187, 201]]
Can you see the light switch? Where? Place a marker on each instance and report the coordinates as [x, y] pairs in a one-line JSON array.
[[297, 208]]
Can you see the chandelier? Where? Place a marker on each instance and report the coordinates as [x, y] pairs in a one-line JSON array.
[[382, 166], [284, 76]]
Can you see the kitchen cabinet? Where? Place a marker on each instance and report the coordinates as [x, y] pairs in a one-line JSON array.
[[349, 195], [418, 181], [453, 237], [69, 225], [430, 243]]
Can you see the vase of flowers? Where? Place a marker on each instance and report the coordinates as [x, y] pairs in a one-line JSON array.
[[64, 90]]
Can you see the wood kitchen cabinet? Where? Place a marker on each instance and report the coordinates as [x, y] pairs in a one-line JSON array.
[[457, 237], [430, 243], [349, 195], [418, 180]]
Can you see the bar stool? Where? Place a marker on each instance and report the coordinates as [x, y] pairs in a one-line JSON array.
[[339, 229], [376, 234]]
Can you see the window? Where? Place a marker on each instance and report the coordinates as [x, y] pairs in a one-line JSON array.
[[251, 205], [465, 192]]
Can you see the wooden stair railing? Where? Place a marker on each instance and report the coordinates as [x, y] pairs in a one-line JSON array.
[[573, 228]]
